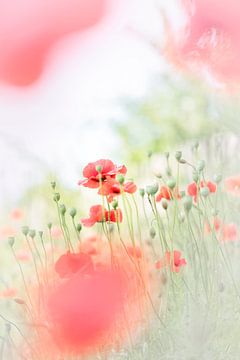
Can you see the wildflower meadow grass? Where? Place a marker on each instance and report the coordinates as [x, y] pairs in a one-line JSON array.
[[150, 271]]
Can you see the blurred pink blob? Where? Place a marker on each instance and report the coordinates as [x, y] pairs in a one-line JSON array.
[[210, 39], [29, 28]]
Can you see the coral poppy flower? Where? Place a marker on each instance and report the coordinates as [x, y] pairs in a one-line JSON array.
[[23, 255], [232, 185], [172, 260], [108, 170], [71, 263], [30, 28], [210, 40], [111, 188], [8, 293], [217, 223], [193, 189], [100, 214]]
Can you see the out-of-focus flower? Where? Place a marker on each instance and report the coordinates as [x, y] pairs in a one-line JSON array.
[[7, 231], [71, 263], [17, 214], [210, 39], [217, 223], [232, 185], [229, 232], [8, 293], [100, 214], [23, 255], [166, 193], [193, 188], [29, 28], [172, 260], [100, 170], [134, 251]]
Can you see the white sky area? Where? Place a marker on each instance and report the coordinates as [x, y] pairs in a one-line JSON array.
[[63, 121]]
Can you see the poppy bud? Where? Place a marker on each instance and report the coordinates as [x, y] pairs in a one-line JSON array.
[[25, 230], [53, 184], [158, 175], [204, 191], [171, 183], [152, 232], [99, 168], [164, 204], [187, 203], [201, 165], [62, 209], [56, 197], [79, 227], [182, 161], [32, 233], [73, 212], [178, 155], [217, 178], [152, 189], [115, 204], [149, 154], [142, 192], [182, 193], [120, 178], [11, 241], [49, 225], [19, 301], [40, 233]]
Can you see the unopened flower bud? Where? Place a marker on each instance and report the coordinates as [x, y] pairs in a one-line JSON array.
[[11, 241], [201, 165], [164, 204], [152, 189], [62, 209], [40, 233], [49, 225], [158, 175], [56, 197], [204, 191], [152, 232], [149, 154], [53, 184], [120, 178], [73, 212], [187, 203], [25, 230], [171, 184], [79, 227], [99, 168], [115, 204], [32, 233], [182, 161], [217, 178], [142, 192], [178, 155], [182, 193]]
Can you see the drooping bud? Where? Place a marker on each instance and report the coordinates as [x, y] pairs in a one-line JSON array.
[[56, 197], [178, 155], [142, 192], [152, 189], [25, 230], [62, 209], [11, 241], [79, 227], [32, 233], [73, 212], [171, 183], [152, 232], [182, 161], [115, 204], [187, 203], [164, 204]]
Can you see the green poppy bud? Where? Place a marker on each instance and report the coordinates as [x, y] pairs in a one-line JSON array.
[[120, 178], [115, 204], [32, 233], [56, 197], [49, 225], [142, 192], [187, 203], [152, 189], [164, 204], [152, 232], [62, 209], [25, 230], [178, 155], [204, 191], [11, 241], [201, 165], [217, 178], [79, 227], [73, 212], [171, 184]]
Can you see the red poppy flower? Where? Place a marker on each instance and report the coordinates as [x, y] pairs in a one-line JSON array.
[[217, 223], [232, 185], [70, 263], [108, 170], [172, 260], [100, 214], [111, 188], [30, 28], [193, 189]]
